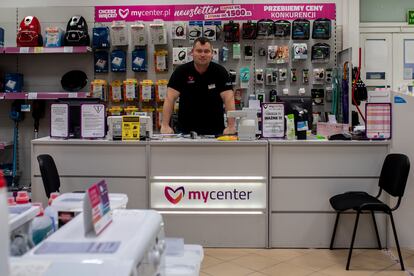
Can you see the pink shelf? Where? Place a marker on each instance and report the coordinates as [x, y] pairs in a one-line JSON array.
[[4, 145], [47, 50], [42, 95]]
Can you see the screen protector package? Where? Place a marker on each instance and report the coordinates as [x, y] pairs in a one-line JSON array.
[[282, 28], [301, 29], [101, 64], [139, 60], [118, 61], [322, 28], [321, 52]]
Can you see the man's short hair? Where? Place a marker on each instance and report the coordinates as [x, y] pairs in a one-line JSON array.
[[202, 40]]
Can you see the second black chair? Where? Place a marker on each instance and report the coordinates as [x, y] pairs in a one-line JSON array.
[[49, 173], [393, 178]]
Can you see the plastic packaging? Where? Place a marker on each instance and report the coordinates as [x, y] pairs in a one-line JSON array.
[[290, 127], [51, 212], [4, 229], [42, 226]]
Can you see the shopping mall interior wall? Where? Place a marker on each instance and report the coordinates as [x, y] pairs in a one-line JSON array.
[[385, 10], [43, 72]]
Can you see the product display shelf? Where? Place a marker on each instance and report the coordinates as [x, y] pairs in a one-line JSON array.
[[42, 95], [47, 50]]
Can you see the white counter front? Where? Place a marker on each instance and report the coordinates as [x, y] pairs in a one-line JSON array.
[[305, 174], [227, 194], [211, 192]]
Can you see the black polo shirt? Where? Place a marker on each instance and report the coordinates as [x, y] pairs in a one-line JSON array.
[[200, 106]]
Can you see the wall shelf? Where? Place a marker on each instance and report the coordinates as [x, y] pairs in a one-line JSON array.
[[42, 95], [47, 50], [5, 144]]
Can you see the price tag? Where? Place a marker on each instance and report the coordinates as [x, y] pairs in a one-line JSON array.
[[72, 95], [119, 23], [38, 50], [32, 96], [24, 50], [68, 49]]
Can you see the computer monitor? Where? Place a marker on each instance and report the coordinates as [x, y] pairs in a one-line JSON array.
[[75, 113], [296, 104]]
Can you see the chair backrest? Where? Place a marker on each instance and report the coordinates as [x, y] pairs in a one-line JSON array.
[[394, 174], [49, 172]]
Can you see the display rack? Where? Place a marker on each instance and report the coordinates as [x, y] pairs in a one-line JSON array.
[[47, 50], [42, 95]]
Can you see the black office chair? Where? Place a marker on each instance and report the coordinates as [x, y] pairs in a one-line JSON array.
[[49, 172], [393, 178]]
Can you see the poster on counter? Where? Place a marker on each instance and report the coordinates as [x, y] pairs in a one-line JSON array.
[[59, 120], [92, 121], [273, 120]]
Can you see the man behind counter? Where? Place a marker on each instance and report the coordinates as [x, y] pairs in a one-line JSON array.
[[203, 86]]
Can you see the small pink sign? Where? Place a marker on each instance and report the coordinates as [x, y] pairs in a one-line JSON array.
[[215, 12]]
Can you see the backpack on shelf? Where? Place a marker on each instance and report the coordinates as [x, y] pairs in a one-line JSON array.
[[29, 33], [77, 32]]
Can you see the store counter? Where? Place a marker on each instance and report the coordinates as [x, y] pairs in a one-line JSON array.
[[83, 162], [305, 174], [229, 194], [211, 192]]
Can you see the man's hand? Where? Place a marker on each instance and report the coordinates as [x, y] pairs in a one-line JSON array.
[[166, 130], [229, 130]]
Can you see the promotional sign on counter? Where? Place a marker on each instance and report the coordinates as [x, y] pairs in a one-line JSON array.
[[217, 194], [59, 120], [92, 121], [97, 212], [215, 12], [273, 120]]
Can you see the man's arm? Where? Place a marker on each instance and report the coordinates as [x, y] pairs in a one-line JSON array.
[[228, 100], [167, 110]]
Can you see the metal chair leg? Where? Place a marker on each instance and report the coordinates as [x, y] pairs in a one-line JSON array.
[[396, 241], [334, 230], [376, 230], [352, 241]]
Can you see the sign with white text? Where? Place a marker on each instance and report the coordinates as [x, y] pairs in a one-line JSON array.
[[215, 12]]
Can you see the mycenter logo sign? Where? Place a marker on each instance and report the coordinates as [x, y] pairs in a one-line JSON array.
[[230, 195], [174, 196]]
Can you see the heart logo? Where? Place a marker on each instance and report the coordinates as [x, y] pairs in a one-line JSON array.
[[174, 196], [123, 13]]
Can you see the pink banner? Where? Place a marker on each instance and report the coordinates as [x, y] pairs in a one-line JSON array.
[[215, 12]]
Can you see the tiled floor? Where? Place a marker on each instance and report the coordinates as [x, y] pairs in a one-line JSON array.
[[301, 262]]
